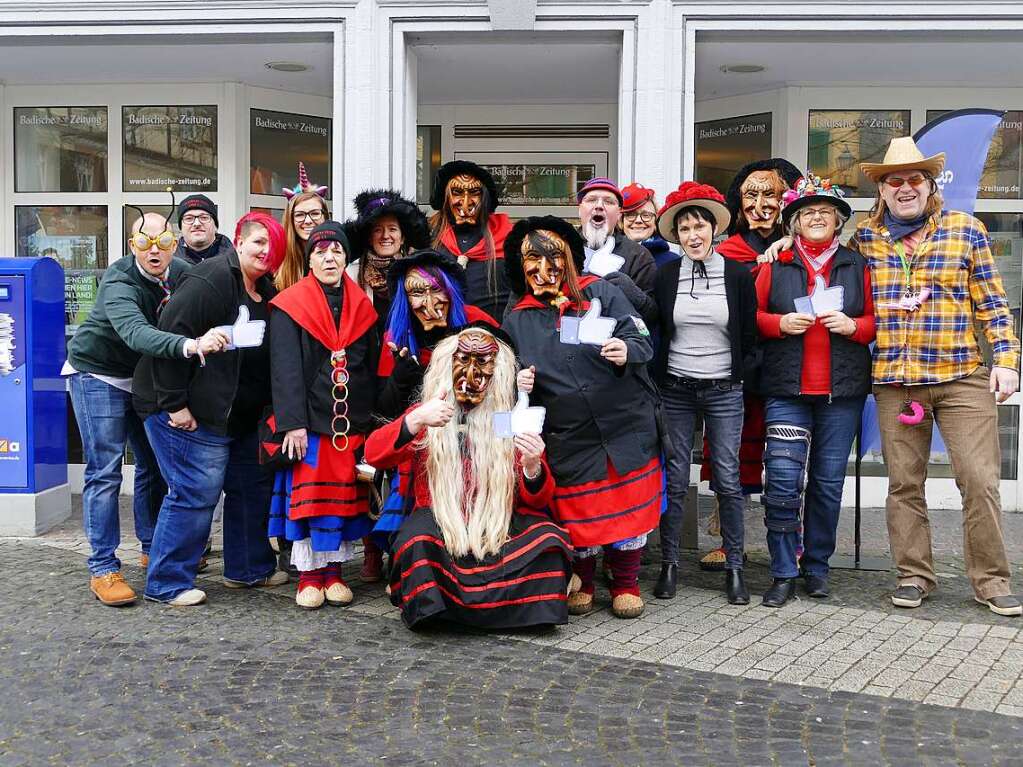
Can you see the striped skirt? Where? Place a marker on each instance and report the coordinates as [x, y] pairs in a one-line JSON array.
[[524, 585], [612, 509]]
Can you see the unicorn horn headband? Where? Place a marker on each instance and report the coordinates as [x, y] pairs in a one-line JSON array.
[[303, 185]]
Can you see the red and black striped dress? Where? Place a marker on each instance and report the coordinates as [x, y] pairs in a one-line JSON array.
[[525, 584]]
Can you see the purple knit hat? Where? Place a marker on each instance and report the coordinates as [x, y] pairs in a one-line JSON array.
[[600, 183]]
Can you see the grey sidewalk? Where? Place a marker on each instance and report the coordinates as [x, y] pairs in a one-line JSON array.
[[951, 651]]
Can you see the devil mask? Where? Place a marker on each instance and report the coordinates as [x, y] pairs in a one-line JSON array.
[[760, 197], [473, 366], [543, 262], [464, 199], [428, 298]]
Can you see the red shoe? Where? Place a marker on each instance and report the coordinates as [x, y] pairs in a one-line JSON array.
[[372, 563]]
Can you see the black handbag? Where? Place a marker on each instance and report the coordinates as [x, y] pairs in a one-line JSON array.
[[271, 444]]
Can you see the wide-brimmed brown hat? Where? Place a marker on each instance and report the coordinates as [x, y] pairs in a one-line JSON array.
[[903, 154]]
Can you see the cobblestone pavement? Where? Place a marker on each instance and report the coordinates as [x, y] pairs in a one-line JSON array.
[[251, 679]]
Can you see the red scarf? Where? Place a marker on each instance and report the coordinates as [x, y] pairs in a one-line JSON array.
[[306, 303], [737, 249], [532, 302], [497, 223]]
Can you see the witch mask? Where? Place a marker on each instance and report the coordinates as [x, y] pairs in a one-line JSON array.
[[543, 262], [473, 366], [761, 200], [428, 298], [465, 199]]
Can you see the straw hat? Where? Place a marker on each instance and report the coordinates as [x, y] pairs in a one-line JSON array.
[[903, 154]]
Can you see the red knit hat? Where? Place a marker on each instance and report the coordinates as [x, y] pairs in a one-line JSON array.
[[690, 193], [600, 182], [635, 195]]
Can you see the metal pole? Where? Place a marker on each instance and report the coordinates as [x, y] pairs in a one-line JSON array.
[[859, 460]]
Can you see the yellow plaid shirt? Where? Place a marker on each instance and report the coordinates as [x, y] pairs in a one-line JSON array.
[[937, 343]]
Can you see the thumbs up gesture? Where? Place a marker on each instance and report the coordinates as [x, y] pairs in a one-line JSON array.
[[602, 264], [520, 420], [827, 299], [244, 333], [434, 412], [591, 328]]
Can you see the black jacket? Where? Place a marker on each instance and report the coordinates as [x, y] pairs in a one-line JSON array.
[[220, 246], [740, 292], [300, 372], [595, 410], [783, 357], [209, 295]]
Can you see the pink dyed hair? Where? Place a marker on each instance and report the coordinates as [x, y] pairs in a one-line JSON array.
[[274, 231]]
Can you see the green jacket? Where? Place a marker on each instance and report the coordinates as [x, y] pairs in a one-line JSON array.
[[121, 327]]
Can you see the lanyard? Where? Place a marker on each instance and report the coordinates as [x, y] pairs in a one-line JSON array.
[[906, 268]]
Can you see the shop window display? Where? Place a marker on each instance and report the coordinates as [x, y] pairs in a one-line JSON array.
[[724, 146], [170, 146], [278, 141], [60, 149]]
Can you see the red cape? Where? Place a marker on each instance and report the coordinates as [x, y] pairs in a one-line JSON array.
[[386, 365], [532, 302], [306, 303], [498, 224]]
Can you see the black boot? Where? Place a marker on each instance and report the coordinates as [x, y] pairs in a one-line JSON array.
[[781, 591], [667, 583], [817, 586], [735, 588]]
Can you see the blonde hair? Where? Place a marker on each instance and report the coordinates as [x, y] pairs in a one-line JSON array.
[[935, 203], [293, 268], [473, 514]]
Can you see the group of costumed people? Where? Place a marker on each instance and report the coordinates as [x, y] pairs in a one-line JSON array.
[[402, 347], [433, 326]]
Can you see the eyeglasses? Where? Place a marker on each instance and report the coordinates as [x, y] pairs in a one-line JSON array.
[[300, 216], [917, 179], [645, 216], [811, 213], [143, 242], [201, 218]]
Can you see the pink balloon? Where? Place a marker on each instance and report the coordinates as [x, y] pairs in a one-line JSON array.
[[915, 414]]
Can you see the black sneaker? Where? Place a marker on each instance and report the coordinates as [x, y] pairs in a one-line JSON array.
[[1007, 605], [908, 596]]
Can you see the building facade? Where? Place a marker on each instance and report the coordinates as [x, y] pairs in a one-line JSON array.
[[105, 103]]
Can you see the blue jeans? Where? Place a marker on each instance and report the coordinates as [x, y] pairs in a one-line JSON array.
[[107, 423], [720, 405], [197, 466], [802, 429]]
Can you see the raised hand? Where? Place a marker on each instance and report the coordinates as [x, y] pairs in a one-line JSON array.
[[525, 379], [434, 412]]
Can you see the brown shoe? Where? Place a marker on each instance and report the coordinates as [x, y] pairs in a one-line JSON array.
[[627, 606], [111, 589], [144, 561], [580, 603]]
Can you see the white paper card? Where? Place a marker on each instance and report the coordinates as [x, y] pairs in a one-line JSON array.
[[591, 328], [521, 419], [244, 333]]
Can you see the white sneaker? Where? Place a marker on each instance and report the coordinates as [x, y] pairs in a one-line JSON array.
[[188, 598]]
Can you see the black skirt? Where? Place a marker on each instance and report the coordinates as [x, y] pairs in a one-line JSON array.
[[524, 585]]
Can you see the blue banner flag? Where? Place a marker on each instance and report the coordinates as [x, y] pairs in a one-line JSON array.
[[964, 136]]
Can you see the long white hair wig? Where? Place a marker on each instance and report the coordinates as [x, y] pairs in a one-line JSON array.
[[473, 507]]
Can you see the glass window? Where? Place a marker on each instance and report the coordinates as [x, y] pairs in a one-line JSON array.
[[1006, 231], [1003, 170], [540, 184], [60, 149], [841, 139], [74, 235], [278, 141], [427, 161], [724, 146], [170, 147]]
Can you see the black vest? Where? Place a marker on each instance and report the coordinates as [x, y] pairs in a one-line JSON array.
[[782, 369]]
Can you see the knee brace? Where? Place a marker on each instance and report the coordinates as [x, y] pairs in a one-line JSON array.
[[786, 442]]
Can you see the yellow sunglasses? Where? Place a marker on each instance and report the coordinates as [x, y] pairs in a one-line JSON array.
[[143, 242]]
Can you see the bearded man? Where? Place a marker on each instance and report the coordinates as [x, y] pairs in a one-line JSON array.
[[466, 226], [600, 208], [478, 548]]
